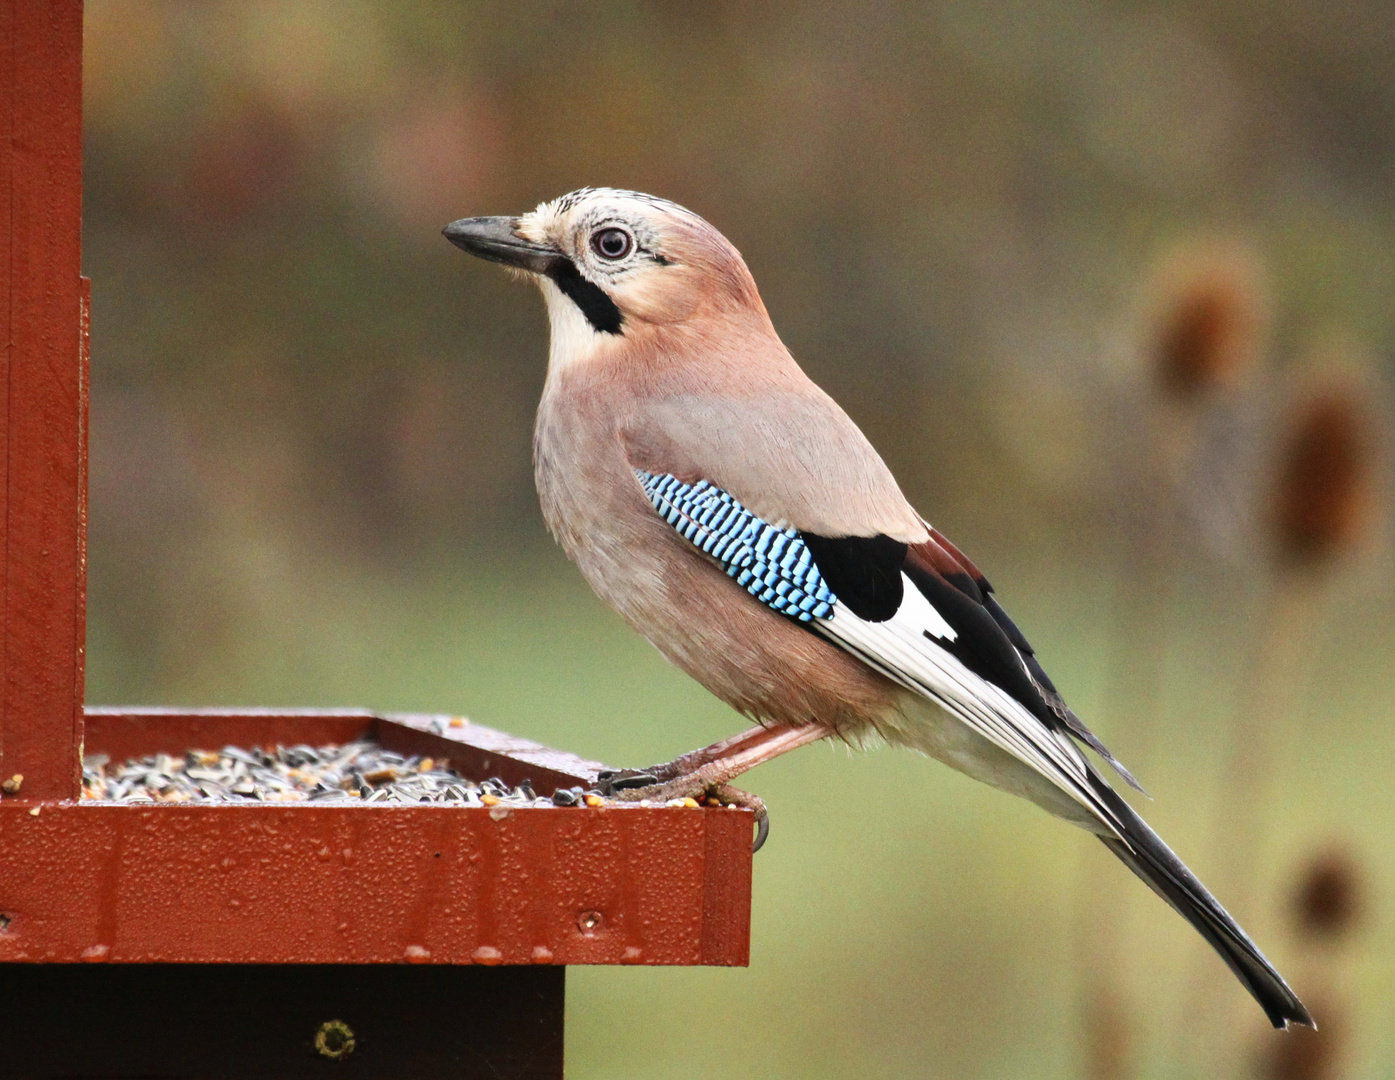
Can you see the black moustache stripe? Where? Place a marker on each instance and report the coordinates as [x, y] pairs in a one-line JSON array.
[[599, 309]]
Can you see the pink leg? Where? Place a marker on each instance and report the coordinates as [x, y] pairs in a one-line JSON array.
[[722, 761], [737, 747]]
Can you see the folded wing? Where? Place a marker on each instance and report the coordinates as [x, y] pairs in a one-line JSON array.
[[913, 612]]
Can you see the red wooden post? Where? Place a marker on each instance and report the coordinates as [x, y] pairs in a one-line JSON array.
[[43, 390]]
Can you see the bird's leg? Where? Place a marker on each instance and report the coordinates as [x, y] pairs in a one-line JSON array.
[[701, 771], [615, 780]]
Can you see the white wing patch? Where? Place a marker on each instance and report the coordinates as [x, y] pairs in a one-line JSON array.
[[900, 649], [915, 610]]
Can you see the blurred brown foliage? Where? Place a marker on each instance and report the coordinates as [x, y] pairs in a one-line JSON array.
[[1207, 336], [932, 197], [1324, 494], [1327, 904]]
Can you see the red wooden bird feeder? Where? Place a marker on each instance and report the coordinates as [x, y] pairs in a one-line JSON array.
[[266, 940]]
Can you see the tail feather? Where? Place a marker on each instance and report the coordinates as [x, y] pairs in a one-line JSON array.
[[1143, 852]]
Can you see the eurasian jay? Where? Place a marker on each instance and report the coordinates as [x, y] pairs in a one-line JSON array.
[[735, 516]]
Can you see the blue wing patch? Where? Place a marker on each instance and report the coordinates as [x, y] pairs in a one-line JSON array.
[[773, 565]]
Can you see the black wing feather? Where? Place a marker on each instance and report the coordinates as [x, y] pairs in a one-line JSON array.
[[1050, 695], [1144, 852], [865, 572]]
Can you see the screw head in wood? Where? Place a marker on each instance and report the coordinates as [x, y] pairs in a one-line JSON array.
[[335, 1040]]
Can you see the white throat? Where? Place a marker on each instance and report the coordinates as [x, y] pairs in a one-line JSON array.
[[574, 340]]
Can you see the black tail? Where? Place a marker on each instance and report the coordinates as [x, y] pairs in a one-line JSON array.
[[1143, 852]]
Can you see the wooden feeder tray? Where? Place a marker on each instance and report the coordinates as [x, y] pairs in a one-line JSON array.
[[301, 883], [269, 940]]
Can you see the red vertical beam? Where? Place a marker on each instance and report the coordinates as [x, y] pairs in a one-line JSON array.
[[42, 393], [80, 599]]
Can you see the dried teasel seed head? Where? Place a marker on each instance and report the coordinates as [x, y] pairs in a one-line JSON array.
[[1325, 484], [1208, 315], [1327, 902]]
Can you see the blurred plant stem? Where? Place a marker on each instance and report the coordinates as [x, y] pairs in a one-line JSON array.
[[1270, 690]]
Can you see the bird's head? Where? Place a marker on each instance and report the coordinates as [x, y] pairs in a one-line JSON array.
[[613, 263]]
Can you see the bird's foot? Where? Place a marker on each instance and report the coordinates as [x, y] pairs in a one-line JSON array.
[[730, 796], [703, 774], [636, 785]]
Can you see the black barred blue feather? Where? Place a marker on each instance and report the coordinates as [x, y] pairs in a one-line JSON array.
[[774, 565]]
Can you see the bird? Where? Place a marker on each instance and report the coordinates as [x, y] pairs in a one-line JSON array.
[[735, 516]]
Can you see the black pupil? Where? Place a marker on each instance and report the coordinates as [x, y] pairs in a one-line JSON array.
[[613, 243]]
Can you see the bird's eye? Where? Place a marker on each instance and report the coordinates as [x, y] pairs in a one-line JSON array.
[[612, 243]]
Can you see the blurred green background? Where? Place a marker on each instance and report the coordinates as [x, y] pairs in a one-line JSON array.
[[1109, 285]]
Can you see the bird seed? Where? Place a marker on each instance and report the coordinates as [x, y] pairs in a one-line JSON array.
[[359, 772]]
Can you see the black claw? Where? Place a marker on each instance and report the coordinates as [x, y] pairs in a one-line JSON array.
[[762, 832], [620, 783], [612, 780]]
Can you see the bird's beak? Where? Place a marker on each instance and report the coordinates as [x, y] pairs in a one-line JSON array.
[[495, 239]]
